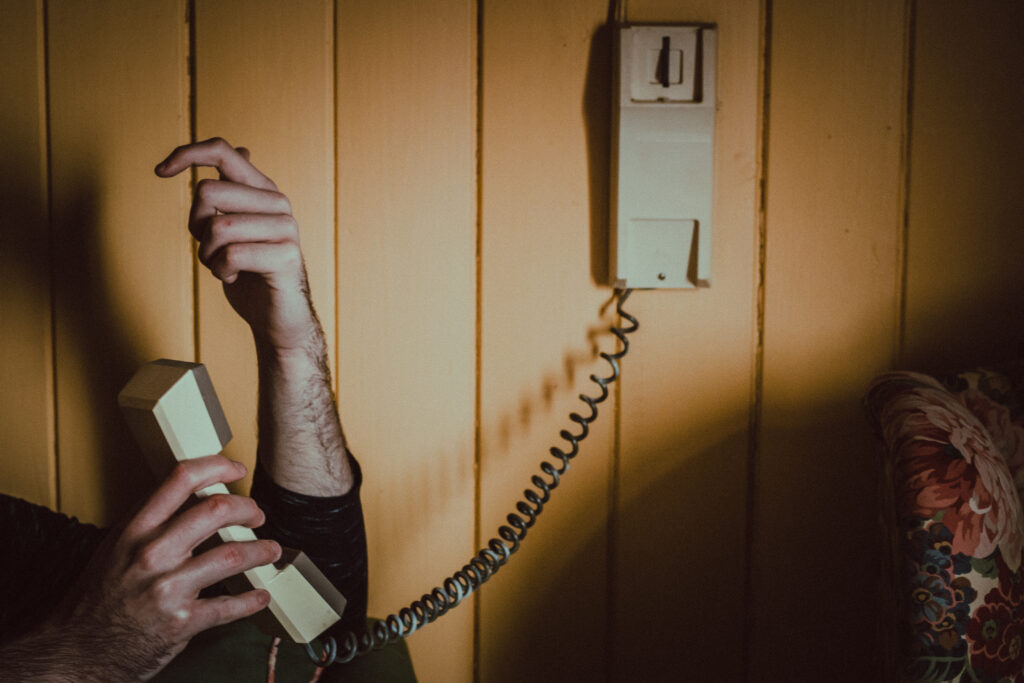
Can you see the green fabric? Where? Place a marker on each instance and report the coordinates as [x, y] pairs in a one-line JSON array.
[[240, 652]]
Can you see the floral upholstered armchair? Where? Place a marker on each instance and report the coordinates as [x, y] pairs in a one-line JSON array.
[[955, 468]]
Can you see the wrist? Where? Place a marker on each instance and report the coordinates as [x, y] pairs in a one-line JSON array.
[[285, 368], [300, 344]]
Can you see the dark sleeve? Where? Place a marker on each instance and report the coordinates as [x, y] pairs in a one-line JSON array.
[[44, 552], [329, 530]]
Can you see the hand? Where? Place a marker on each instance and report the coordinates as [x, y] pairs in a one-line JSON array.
[[138, 604], [249, 240]]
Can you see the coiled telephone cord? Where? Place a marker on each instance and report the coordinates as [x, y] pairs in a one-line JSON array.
[[488, 560]]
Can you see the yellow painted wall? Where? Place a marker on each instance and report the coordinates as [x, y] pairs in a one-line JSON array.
[[447, 162]]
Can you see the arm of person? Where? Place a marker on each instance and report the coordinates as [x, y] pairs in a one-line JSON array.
[[51, 551], [306, 480], [249, 240], [137, 604]]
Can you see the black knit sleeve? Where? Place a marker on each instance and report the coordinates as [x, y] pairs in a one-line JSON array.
[[329, 530], [44, 552]]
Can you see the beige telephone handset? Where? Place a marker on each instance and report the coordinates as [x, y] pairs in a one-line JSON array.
[[174, 413]]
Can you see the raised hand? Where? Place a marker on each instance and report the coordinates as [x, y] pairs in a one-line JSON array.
[[249, 240]]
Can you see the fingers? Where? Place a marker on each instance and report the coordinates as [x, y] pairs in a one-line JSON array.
[[233, 164], [225, 609], [196, 524], [227, 197], [259, 258], [223, 230], [187, 578], [186, 478], [227, 560]]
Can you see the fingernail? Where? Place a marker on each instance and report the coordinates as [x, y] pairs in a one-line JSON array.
[[239, 466]]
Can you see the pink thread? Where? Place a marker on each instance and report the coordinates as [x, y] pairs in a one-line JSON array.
[[272, 659]]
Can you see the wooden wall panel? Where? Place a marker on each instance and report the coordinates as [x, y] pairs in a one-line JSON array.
[[834, 210], [681, 513], [28, 466], [406, 298], [118, 103], [637, 567], [265, 80], [966, 232], [544, 111]]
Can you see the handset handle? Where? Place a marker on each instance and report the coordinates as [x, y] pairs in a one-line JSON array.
[[173, 412]]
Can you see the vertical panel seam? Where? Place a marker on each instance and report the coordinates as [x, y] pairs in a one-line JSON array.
[[617, 16], [52, 442], [478, 322], [335, 208], [612, 530], [757, 371], [193, 177], [903, 264]]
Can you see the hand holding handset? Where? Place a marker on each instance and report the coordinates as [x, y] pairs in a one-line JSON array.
[[173, 411]]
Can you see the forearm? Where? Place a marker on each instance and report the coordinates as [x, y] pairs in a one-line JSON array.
[[301, 443], [40, 656], [52, 654]]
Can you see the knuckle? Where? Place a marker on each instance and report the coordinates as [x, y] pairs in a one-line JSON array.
[[204, 256], [227, 262], [231, 253], [229, 609], [204, 188], [218, 226], [284, 202], [181, 475], [291, 253], [234, 558], [150, 558], [291, 226], [257, 515], [219, 506], [221, 144], [178, 622], [221, 261], [164, 592]]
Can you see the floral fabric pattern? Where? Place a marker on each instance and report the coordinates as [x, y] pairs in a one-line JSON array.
[[957, 458]]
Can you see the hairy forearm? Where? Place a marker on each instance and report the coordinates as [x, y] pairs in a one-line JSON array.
[[36, 657], [56, 655], [301, 443]]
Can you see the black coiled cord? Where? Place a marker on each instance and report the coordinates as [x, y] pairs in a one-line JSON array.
[[488, 560]]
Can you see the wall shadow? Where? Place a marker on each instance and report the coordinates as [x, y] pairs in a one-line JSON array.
[[106, 355], [669, 597], [61, 253], [597, 111], [24, 311]]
